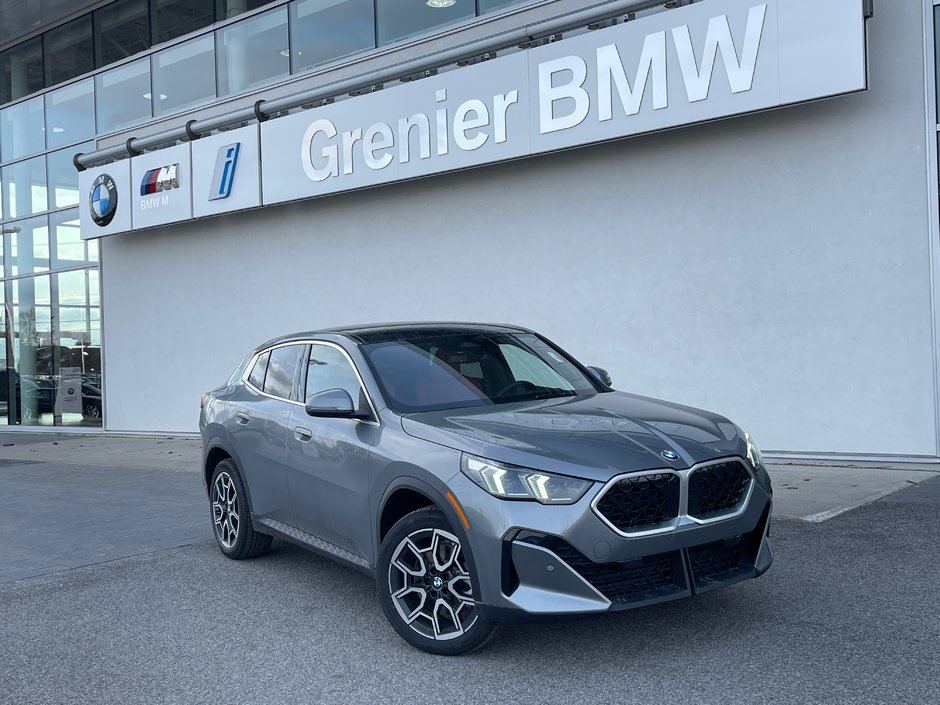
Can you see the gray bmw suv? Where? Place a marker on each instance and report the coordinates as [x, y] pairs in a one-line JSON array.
[[481, 475]]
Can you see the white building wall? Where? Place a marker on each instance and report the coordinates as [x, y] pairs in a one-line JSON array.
[[774, 268]]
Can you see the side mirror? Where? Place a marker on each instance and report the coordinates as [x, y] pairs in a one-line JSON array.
[[333, 403], [601, 375]]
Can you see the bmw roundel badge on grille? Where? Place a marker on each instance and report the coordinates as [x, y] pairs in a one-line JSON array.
[[669, 455]]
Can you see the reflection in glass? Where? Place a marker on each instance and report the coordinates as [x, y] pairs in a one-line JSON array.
[[21, 130], [123, 29], [122, 95], [232, 8], [79, 347], [23, 187], [184, 75], [398, 19], [63, 178], [21, 70], [7, 387], [70, 113], [490, 5], [326, 30], [27, 247], [253, 52], [66, 246], [33, 352], [68, 51], [178, 17]]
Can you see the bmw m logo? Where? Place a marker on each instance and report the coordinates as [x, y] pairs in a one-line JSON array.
[[162, 179], [103, 200], [670, 455]]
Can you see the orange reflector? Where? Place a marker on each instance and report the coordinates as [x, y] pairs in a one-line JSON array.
[[453, 501]]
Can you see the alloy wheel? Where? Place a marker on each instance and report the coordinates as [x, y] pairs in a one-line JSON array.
[[225, 509], [431, 586]]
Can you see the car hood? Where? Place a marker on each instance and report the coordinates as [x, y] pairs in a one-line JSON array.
[[595, 437]]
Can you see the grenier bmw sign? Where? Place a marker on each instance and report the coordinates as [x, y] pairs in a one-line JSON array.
[[709, 60]]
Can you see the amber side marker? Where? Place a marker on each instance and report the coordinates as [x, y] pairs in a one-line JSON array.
[[453, 501]]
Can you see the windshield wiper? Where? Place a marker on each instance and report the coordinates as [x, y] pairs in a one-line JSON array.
[[552, 393]]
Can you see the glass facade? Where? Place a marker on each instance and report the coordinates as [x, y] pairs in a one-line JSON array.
[[322, 31], [291, 37], [183, 75], [253, 52], [50, 330], [400, 19]]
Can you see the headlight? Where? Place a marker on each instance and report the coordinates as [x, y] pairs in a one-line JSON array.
[[753, 452], [509, 482]]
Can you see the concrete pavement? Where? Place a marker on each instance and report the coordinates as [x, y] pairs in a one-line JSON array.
[[847, 615]]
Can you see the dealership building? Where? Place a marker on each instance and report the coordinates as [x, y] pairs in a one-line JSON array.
[[731, 204]]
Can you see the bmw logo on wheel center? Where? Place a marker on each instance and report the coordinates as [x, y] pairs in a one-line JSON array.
[[103, 200]]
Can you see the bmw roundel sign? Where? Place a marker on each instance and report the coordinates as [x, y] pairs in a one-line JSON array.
[[103, 200]]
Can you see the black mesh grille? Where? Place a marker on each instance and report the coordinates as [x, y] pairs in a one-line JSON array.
[[727, 559], [715, 489], [641, 502], [622, 583]]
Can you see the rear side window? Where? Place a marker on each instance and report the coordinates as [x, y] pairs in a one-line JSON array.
[[279, 381], [256, 378]]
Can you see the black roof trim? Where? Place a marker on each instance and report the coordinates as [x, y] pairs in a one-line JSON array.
[[357, 333]]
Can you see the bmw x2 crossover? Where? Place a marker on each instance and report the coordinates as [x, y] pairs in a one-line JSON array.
[[481, 475]]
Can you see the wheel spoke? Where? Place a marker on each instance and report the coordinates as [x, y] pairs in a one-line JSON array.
[[444, 550], [441, 608], [397, 561], [417, 611], [217, 513], [463, 598]]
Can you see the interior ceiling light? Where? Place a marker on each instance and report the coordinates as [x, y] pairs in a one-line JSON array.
[[440, 3]]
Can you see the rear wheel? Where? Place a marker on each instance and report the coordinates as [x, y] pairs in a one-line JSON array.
[[231, 519], [426, 584]]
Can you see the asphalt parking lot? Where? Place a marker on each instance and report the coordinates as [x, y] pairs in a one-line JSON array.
[[148, 611]]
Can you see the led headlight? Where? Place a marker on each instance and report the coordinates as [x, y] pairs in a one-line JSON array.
[[509, 482], [753, 452]]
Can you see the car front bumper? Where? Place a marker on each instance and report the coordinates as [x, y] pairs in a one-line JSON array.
[[537, 562]]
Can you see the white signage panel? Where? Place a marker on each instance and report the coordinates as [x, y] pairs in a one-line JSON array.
[[446, 122], [161, 187], [106, 200], [227, 172], [706, 61], [701, 62]]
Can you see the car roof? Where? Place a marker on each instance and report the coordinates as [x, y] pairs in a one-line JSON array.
[[386, 331]]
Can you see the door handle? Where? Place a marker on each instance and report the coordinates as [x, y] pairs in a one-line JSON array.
[[303, 434], [241, 417]]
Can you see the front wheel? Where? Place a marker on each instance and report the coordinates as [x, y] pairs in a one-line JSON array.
[[426, 585]]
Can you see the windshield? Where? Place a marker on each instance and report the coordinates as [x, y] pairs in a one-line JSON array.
[[428, 370]]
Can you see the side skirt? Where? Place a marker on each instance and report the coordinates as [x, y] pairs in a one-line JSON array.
[[312, 543]]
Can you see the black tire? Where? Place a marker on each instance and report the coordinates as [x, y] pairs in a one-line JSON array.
[[470, 630], [247, 542]]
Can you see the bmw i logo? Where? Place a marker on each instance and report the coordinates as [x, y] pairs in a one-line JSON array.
[[669, 455], [103, 200]]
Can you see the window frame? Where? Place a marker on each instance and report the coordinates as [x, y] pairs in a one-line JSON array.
[[292, 392], [300, 374]]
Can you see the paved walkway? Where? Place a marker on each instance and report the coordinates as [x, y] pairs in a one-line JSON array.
[[55, 517]]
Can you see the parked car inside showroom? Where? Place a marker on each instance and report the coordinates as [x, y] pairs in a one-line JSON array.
[[481, 475]]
